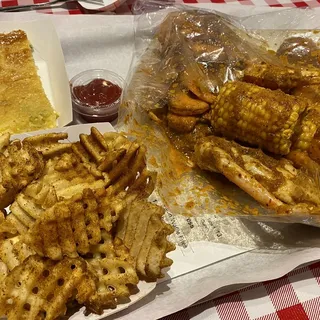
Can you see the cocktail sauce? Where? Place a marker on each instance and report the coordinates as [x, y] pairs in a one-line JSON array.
[[96, 95], [98, 92]]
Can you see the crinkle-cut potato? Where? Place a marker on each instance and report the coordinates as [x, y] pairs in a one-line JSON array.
[[111, 262], [7, 229], [144, 233], [109, 248], [47, 286], [63, 177], [115, 276], [13, 251], [24, 212], [121, 161], [48, 144], [3, 271], [116, 140], [67, 175], [20, 164], [79, 227], [70, 227]]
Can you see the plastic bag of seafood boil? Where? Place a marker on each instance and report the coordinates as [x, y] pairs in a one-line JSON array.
[[231, 116]]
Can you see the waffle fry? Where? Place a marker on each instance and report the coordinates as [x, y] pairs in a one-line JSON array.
[[63, 177], [144, 233], [115, 141], [70, 227], [121, 161], [7, 229], [104, 249], [115, 275], [24, 212], [80, 230], [112, 264], [3, 271], [19, 165], [42, 194], [49, 145], [67, 175], [47, 287], [13, 252]]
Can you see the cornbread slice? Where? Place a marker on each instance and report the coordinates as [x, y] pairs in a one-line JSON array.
[[24, 105]]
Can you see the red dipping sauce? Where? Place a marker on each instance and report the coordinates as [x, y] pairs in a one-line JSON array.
[[96, 95], [98, 92]]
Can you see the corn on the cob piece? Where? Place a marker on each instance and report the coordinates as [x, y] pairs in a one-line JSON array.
[[256, 115], [307, 129]]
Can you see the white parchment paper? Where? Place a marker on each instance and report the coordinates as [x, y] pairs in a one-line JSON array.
[[201, 266]]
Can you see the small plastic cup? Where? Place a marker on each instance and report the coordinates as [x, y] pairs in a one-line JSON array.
[[95, 113]]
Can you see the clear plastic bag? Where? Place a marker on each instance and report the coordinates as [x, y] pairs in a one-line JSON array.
[[177, 42]]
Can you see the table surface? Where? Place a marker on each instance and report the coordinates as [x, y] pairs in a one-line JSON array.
[[295, 296]]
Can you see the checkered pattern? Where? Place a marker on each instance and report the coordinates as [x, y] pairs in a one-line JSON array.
[[295, 296], [71, 8], [270, 3], [126, 8]]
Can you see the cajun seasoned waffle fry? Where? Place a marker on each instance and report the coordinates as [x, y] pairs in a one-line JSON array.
[[3, 271], [47, 286], [7, 229], [71, 226], [19, 165], [114, 277], [114, 267], [41, 193], [122, 162], [115, 141], [144, 233], [59, 243], [63, 177], [49, 145], [13, 252], [104, 249], [24, 212], [67, 175], [112, 207], [109, 248]]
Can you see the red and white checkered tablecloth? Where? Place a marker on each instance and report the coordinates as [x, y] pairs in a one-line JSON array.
[[126, 8], [295, 296], [270, 3], [73, 7]]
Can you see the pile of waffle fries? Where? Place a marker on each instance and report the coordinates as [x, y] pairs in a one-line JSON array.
[[76, 226]]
